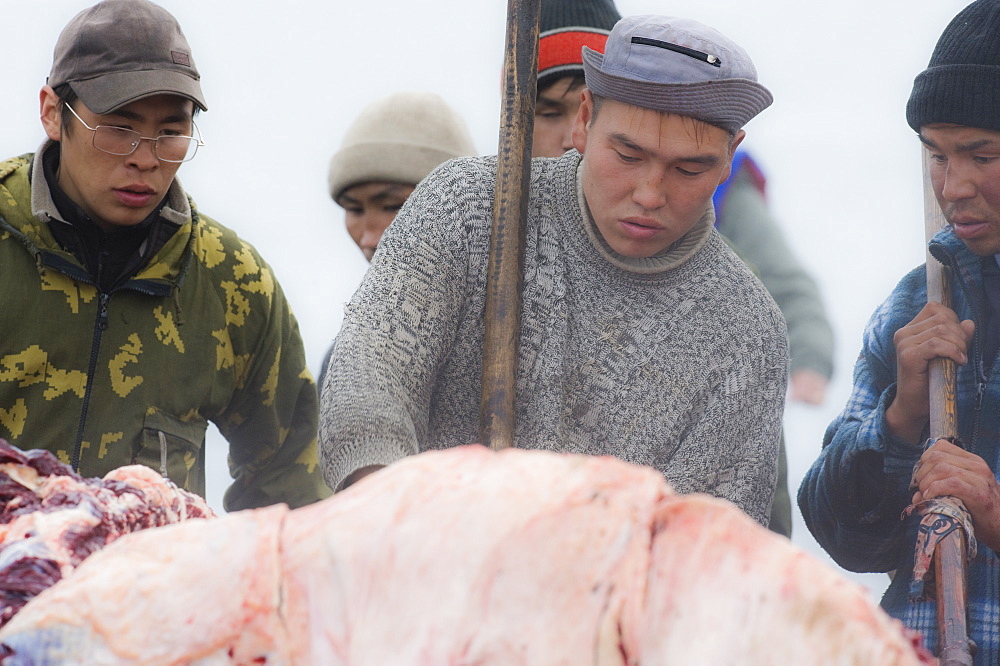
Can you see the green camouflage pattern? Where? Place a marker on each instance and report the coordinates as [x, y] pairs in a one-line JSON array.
[[202, 333]]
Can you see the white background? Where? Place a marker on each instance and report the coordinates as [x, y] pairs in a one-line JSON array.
[[283, 80]]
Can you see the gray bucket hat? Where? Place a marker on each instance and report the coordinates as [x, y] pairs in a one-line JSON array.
[[120, 51], [679, 66]]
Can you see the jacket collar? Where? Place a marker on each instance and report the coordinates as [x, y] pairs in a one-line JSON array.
[[166, 267], [177, 208], [949, 249]]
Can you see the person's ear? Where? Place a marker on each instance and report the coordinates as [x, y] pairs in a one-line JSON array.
[[737, 140], [581, 124], [733, 145], [51, 112]]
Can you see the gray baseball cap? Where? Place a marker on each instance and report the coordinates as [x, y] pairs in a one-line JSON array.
[[679, 66], [120, 51]]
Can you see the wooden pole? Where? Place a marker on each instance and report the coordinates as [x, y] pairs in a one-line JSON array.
[[949, 557], [510, 204], [943, 372]]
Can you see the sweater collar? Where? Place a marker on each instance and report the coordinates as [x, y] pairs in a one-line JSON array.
[[670, 258]]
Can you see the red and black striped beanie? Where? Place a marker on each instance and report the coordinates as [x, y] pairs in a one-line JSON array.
[[565, 27]]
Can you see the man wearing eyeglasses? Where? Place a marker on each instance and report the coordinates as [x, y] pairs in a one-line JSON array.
[[129, 319]]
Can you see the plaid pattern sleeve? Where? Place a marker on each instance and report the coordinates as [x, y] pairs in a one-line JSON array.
[[852, 496]]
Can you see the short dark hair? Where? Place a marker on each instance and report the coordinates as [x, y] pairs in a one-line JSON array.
[[598, 100], [546, 82], [67, 96]]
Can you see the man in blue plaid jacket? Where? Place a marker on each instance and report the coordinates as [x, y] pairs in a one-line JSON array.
[[875, 460]]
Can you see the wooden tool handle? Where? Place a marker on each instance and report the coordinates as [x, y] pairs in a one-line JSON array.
[[954, 647], [505, 269]]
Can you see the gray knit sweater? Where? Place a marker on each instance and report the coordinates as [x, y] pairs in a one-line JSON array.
[[677, 361]]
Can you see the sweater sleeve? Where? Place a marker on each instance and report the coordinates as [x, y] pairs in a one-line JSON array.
[[397, 331], [271, 420], [756, 237], [853, 495], [754, 423]]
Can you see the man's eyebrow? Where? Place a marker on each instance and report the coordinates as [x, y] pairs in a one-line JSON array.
[[132, 115], [706, 159], [970, 147], [390, 192], [974, 145], [619, 138], [546, 101]]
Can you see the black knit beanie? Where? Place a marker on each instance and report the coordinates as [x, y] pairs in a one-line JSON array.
[[565, 26], [961, 84]]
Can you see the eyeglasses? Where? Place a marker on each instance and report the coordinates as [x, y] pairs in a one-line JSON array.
[[121, 141]]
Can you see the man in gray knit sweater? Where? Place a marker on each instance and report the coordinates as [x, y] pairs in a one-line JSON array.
[[642, 335]]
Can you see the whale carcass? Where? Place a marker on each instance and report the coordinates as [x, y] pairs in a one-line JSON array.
[[464, 556]]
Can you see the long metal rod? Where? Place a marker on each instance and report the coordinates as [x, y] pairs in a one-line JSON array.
[[510, 204], [949, 556]]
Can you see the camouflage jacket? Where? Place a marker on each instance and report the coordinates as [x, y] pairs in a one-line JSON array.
[[202, 333]]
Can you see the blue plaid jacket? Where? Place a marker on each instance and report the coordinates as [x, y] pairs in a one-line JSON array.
[[853, 495]]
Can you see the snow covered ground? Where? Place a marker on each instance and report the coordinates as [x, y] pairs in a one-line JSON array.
[[284, 80]]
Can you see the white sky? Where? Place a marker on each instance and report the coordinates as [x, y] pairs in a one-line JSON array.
[[283, 80]]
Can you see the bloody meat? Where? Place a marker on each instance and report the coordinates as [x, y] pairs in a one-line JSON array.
[[51, 518]]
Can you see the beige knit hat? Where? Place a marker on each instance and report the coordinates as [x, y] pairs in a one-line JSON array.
[[399, 139]]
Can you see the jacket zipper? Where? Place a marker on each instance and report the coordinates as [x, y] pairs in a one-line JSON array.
[[100, 325], [76, 273]]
